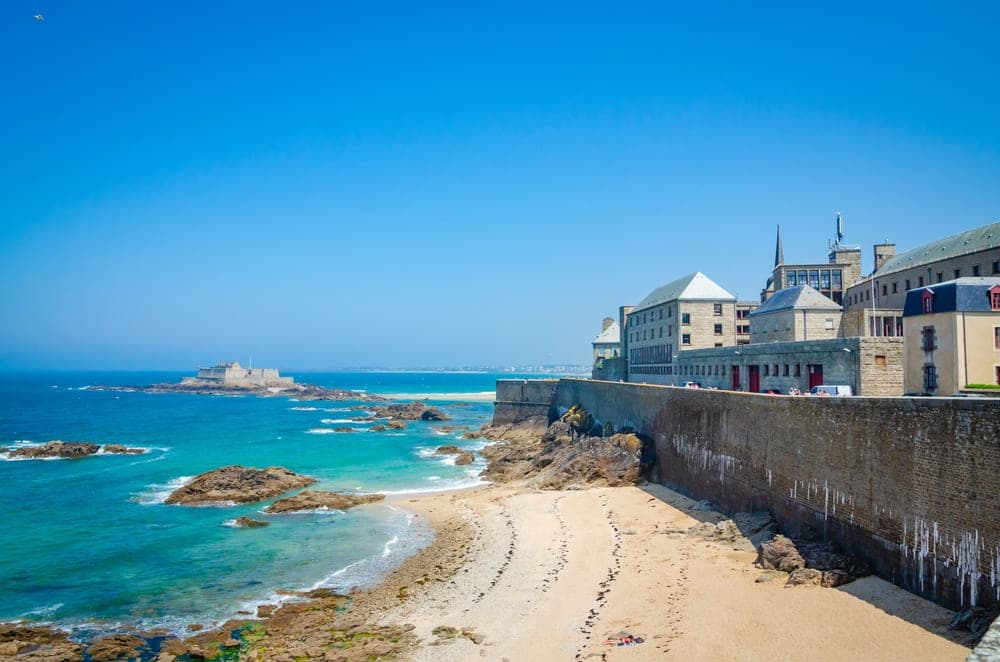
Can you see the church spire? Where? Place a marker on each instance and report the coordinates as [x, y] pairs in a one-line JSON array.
[[779, 253]]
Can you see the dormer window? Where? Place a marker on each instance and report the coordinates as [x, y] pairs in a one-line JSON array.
[[995, 297], [927, 301]]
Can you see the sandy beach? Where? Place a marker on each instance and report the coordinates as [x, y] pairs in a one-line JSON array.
[[520, 574]]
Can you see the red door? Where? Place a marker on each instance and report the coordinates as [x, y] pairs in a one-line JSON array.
[[754, 378], [736, 378], [815, 375]]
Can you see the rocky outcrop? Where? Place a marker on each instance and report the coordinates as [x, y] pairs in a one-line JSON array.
[[66, 449], [27, 643], [411, 411], [248, 523], [70, 450], [396, 425], [344, 429], [377, 428], [305, 392], [810, 563], [312, 499], [464, 459], [561, 455], [448, 450], [238, 484], [118, 449], [115, 647]]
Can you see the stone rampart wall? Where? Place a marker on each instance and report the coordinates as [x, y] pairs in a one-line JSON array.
[[518, 399], [909, 484]]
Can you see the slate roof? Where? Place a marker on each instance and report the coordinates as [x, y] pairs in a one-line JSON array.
[[801, 296], [612, 334], [693, 287], [963, 243], [968, 294]]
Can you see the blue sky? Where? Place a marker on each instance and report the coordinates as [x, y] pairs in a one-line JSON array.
[[334, 184]]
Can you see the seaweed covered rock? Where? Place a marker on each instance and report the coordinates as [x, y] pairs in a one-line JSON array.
[[411, 411], [313, 499], [64, 449], [238, 484]]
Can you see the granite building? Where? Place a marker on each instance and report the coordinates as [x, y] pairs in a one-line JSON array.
[[832, 278], [874, 305]]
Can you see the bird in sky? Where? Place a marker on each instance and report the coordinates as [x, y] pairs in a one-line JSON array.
[[39, 18]]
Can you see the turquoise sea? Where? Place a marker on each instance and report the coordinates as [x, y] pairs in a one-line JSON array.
[[88, 543]]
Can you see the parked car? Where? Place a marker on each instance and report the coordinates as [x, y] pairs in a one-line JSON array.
[[691, 385], [831, 390]]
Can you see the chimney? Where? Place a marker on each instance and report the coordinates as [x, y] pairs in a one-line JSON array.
[[883, 253], [608, 321]]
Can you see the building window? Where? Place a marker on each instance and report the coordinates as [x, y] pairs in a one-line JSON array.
[[685, 318], [930, 377], [996, 337], [894, 290], [997, 368], [828, 324], [906, 285], [975, 270], [790, 277], [940, 277], [798, 369], [785, 372], [718, 344], [824, 279], [928, 302], [927, 338], [775, 373], [880, 361], [718, 329], [686, 339], [920, 282], [958, 273], [767, 369], [717, 309], [814, 279], [836, 279], [885, 290], [995, 297], [996, 267]]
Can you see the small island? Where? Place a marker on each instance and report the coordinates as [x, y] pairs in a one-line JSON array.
[[230, 378]]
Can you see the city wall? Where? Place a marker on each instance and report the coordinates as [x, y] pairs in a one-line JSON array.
[[909, 484]]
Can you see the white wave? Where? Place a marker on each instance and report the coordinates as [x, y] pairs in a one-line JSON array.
[[441, 434], [158, 492], [47, 610], [443, 486], [152, 459], [387, 549], [332, 421], [303, 408], [434, 478], [331, 431]]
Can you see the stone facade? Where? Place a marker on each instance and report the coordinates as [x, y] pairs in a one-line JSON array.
[[870, 366], [690, 313], [908, 484]]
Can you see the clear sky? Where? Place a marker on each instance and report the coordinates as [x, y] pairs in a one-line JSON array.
[[331, 184]]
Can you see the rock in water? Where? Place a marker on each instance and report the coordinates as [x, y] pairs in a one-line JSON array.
[[311, 499], [68, 449], [396, 425], [238, 484], [448, 450], [118, 449], [464, 459], [247, 523], [35, 643], [411, 411]]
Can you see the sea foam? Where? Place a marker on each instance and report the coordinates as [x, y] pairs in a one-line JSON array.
[[158, 492]]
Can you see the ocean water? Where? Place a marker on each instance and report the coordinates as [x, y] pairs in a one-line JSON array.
[[88, 543]]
